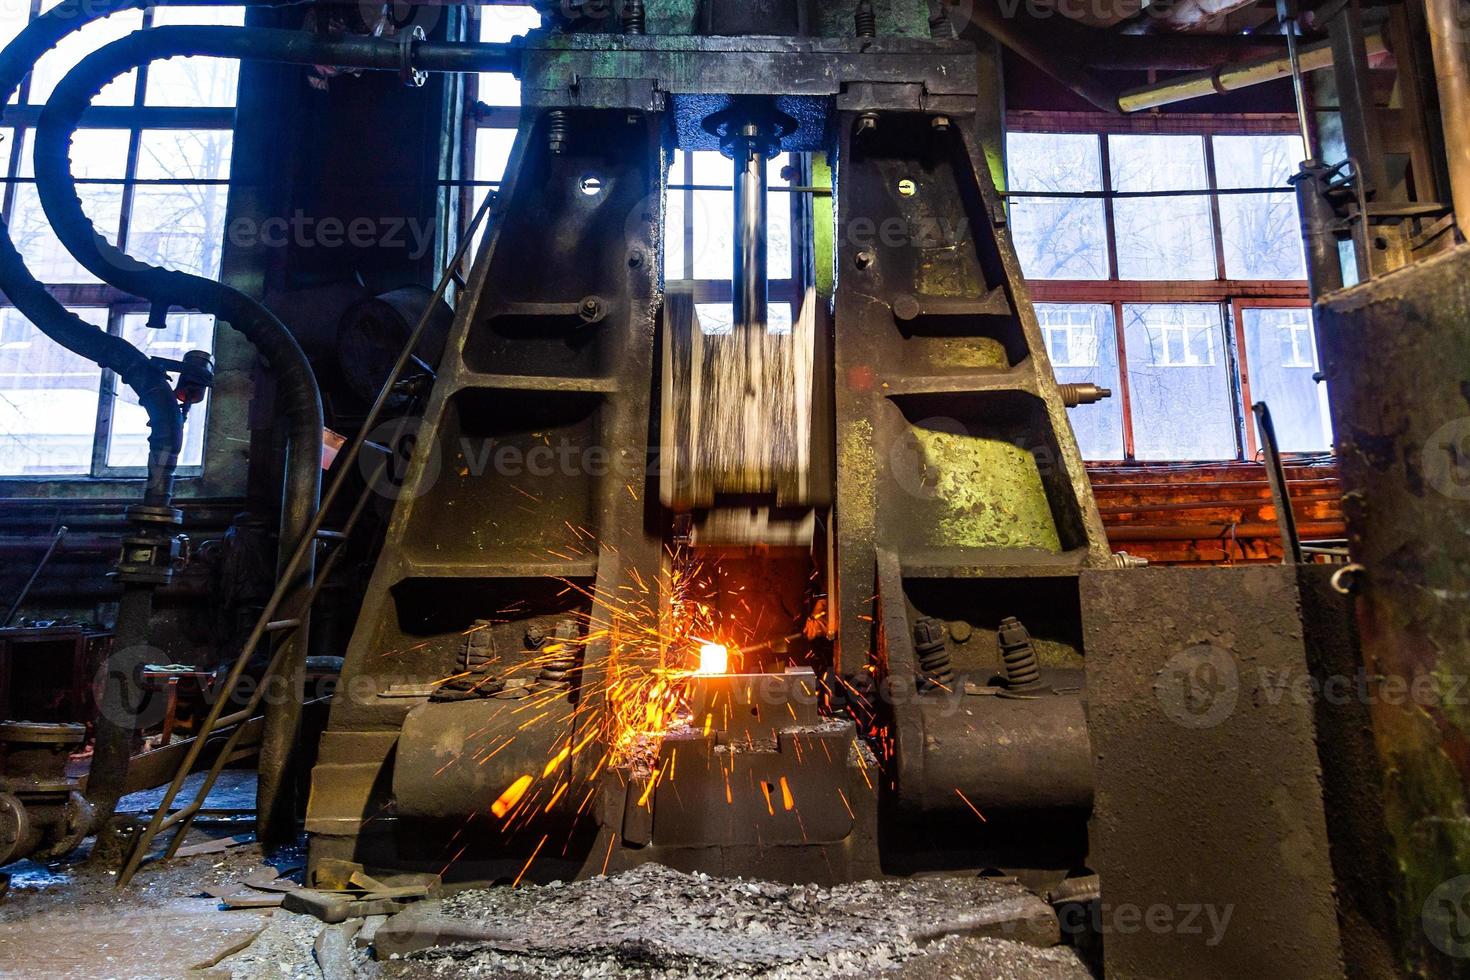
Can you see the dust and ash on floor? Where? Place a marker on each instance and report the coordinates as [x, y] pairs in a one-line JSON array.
[[67, 920]]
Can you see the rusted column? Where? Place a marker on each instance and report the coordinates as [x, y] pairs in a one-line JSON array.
[[1449, 39], [1395, 353]]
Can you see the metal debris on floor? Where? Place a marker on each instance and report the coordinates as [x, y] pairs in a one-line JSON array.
[[654, 922]]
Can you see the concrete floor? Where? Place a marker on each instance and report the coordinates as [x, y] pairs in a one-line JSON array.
[[67, 920]]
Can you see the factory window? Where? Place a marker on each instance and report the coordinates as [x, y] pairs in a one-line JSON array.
[[1166, 263], [154, 174]]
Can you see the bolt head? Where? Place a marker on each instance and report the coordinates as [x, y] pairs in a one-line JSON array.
[[940, 123], [865, 259]]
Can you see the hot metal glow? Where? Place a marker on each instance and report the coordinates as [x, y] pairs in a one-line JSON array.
[[714, 658]]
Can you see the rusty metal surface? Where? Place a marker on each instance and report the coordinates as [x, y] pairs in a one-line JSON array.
[[1209, 801], [1394, 352], [953, 446], [552, 353]]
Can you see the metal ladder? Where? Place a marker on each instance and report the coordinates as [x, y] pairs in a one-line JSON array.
[[267, 625]]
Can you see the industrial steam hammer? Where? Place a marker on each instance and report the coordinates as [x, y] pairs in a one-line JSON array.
[[888, 492]]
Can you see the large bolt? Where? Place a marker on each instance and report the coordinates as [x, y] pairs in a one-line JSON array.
[[865, 259], [867, 123], [593, 309], [557, 131], [1083, 393], [866, 19], [1023, 672], [635, 17]]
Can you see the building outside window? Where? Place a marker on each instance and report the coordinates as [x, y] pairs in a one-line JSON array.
[[153, 168], [1165, 262]]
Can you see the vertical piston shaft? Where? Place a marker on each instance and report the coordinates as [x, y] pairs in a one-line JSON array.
[[751, 280]]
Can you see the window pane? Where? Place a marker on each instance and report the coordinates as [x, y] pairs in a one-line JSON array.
[[714, 218], [7, 142], [127, 443], [1257, 161], [1263, 238], [54, 65], [492, 153], [1162, 237], [1082, 344], [1280, 358], [180, 228], [718, 319], [194, 81], [499, 23], [1053, 162], [1179, 384], [96, 154], [1157, 163], [676, 261], [47, 258], [1060, 238], [1262, 234], [1057, 238], [48, 400], [185, 154]]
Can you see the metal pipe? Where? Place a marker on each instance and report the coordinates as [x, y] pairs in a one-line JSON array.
[[1287, 12], [1319, 223], [1449, 42], [752, 253], [25, 590], [1229, 78]]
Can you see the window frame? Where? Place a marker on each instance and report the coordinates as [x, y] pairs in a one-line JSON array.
[[21, 119], [1230, 295]]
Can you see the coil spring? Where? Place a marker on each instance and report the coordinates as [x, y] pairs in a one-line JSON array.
[[635, 17], [557, 131], [559, 669], [1023, 672], [866, 19], [939, 22], [935, 663]]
